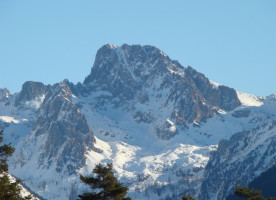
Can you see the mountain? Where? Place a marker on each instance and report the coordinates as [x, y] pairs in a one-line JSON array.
[[265, 182], [245, 155], [156, 121]]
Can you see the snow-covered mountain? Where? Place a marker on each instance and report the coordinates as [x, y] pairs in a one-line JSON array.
[[156, 121], [245, 155]]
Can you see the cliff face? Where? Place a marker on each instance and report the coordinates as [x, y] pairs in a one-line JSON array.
[[66, 129], [30, 90], [128, 76]]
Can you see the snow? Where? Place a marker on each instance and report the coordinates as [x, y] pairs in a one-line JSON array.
[[216, 85], [35, 103], [10, 119], [135, 151], [163, 54], [133, 148], [23, 192], [139, 158], [176, 70], [111, 46], [172, 127], [249, 99]]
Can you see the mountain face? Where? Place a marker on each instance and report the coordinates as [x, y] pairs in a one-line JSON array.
[[68, 134], [244, 156], [4, 94], [155, 120], [57, 133], [135, 76], [30, 90], [265, 182]]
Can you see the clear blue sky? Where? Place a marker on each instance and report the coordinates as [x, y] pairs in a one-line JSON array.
[[231, 42]]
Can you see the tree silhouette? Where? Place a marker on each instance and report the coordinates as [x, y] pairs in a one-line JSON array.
[[250, 194], [8, 190], [110, 187]]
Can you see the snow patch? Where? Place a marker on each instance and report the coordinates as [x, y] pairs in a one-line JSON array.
[[10, 119], [172, 125], [35, 103], [249, 99], [23, 192], [176, 70], [216, 85]]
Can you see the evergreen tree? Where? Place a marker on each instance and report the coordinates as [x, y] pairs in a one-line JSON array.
[[105, 180], [250, 194], [187, 197], [8, 190]]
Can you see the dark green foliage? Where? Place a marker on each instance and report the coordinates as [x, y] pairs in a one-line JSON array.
[[8, 190], [187, 197], [266, 182], [107, 182], [5, 152], [249, 194]]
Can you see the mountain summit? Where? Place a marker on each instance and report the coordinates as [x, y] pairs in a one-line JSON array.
[[132, 74]]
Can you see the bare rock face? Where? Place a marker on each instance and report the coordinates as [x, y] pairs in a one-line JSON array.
[[129, 74], [4, 94], [239, 160], [221, 96], [67, 134], [30, 90], [241, 113]]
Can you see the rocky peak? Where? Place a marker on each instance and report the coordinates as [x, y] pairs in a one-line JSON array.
[[64, 128], [30, 90], [129, 74], [4, 94], [134, 61], [123, 70], [216, 95]]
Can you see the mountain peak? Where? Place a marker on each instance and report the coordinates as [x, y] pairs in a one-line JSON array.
[[4, 94], [30, 90], [128, 47], [123, 75], [110, 46], [133, 61]]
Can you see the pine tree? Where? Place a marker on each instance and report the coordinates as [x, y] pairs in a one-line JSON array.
[[105, 180], [250, 194], [8, 190]]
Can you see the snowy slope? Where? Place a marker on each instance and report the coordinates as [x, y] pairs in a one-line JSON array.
[[24, 192], [245, 155], [154, 168], [249, 99]]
